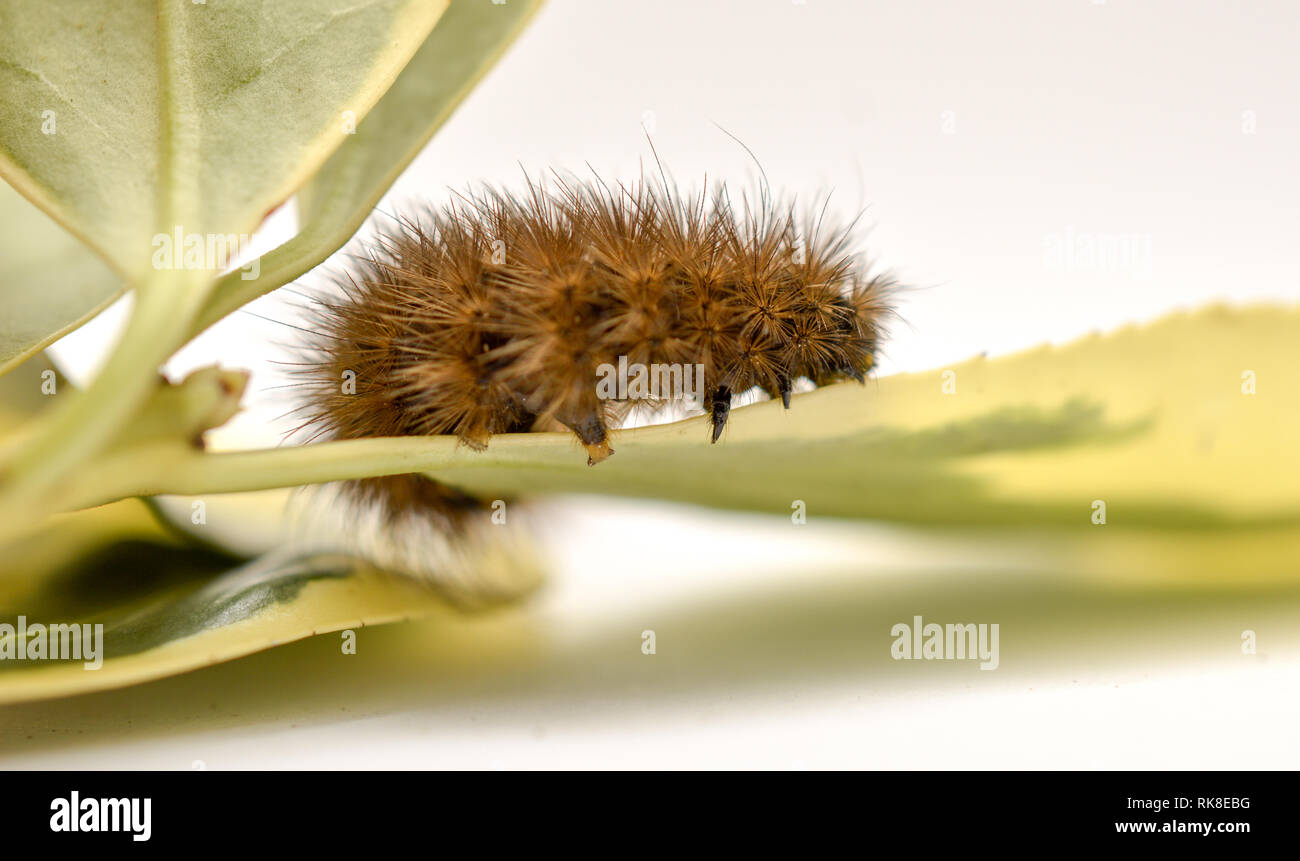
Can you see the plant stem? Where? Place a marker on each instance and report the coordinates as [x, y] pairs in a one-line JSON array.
[[175, 469], [79, 427]]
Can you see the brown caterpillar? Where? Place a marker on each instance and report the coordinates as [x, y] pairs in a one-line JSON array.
[[499, 313]]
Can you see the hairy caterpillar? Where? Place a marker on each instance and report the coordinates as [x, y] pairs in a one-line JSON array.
[[497, 314]]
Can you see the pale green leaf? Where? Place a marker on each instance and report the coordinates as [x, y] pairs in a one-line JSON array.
[[467, 41], [130, 118], [51, 282]]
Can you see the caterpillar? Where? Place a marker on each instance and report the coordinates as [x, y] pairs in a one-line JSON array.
[[497, 313]]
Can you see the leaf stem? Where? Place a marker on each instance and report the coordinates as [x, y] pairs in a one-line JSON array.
[[84, 422], [172, 468]]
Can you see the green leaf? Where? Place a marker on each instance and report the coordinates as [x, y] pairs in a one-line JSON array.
[[51, 282], [127, 119], [467, 41], [167, 609]]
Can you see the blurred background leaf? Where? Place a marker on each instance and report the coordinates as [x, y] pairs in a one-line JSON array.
[[168, 609]]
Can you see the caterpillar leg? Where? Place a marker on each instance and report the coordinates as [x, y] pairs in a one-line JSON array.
[[595, 439], [719, 409], [784, 387]]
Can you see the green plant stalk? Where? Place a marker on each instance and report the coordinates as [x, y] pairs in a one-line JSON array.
[[83, 424], [173, 468]]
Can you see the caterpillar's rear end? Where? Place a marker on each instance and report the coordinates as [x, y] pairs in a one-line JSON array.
[[499, 313]]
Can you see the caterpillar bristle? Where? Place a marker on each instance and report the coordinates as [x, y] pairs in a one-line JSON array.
[[497, 313]]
